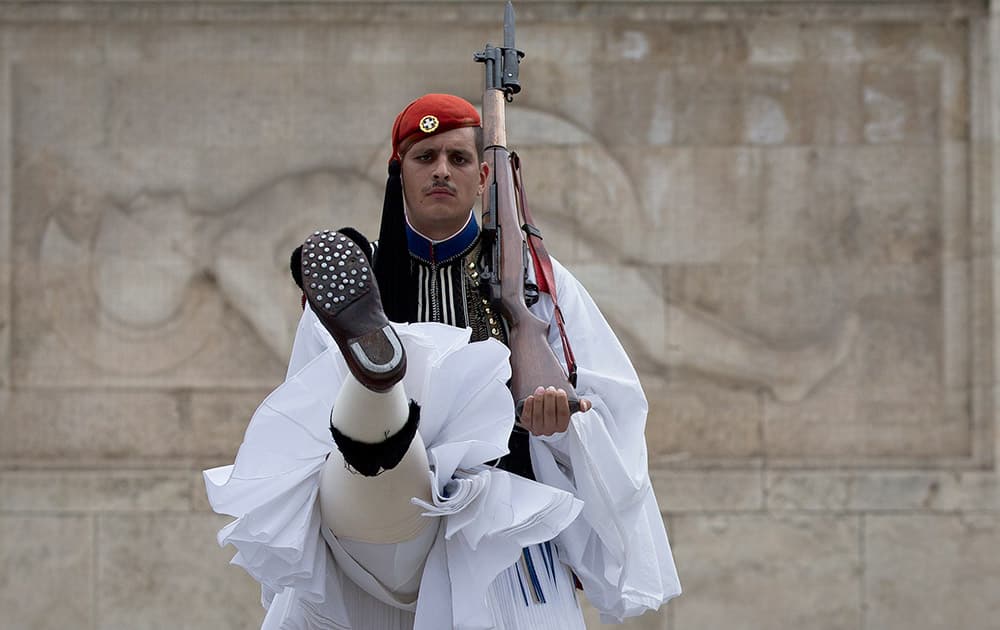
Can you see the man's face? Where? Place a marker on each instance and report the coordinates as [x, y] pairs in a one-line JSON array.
[[442, 176]]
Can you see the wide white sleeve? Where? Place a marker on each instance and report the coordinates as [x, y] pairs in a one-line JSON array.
[[618, 546]]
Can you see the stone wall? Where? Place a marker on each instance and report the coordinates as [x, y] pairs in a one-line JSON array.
[[785, 209]]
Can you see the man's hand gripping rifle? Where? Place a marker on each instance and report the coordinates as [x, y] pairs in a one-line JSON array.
[[505, 261]]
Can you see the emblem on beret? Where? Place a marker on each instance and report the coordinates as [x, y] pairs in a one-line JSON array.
[[428, 124]]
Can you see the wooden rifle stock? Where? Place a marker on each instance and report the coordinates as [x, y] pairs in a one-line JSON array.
[[533, 363]]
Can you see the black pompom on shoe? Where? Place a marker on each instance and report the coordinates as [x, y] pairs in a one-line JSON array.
[[296, 265]]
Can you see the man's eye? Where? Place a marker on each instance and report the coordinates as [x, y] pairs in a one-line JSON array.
[[459, 159], [424, 157]]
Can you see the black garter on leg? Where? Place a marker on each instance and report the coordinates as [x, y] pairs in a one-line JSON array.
[[370, 459]]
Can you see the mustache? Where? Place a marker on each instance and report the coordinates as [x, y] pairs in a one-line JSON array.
[[440, 185]]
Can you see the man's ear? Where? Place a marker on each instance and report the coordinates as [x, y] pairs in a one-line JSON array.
[[484, 174]]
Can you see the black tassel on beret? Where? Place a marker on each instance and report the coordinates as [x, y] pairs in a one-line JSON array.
[[392, 256]]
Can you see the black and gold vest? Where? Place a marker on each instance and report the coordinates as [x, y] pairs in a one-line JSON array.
[[447, 278]]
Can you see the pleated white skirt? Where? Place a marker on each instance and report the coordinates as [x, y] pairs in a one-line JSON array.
[[536, 592]]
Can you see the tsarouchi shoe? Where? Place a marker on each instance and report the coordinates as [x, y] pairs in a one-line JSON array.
[[340, 286]]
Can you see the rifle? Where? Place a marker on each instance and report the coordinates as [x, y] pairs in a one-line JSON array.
[[504, 263]]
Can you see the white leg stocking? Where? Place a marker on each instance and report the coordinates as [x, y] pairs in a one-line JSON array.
[[376, 509]]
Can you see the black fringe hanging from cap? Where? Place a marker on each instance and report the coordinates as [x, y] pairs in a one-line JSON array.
[[392, 257]]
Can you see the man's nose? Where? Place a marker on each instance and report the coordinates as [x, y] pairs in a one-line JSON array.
[[441, 169]]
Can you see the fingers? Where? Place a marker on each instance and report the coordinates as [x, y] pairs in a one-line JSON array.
[[529, 411], [532, 410], [549, 411], [561, 411], [546, 411]]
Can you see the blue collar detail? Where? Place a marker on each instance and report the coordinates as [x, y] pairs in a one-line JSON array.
[[435, 252]]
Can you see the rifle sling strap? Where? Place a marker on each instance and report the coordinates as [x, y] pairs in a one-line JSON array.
[[544, 277], [531, 230]]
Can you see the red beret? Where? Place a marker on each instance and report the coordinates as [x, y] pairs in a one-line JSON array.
[[428, 115]]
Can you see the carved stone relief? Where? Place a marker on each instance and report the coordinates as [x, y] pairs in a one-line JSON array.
[[775, 265], [784, 208]]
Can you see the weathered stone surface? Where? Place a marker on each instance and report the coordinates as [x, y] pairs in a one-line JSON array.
[[51, 122], [111, 426], [63, 331], [102, 214], [682, 491], [94, 491], [782, 306], [174, 118], [178, 104], [725, 224], [166, 571], [218, 421], [896, 201], [708, 107], [962, 364], [479, 13], [828, 102], [767, 572], [91, 426], [6, 218], [785, 209], [990, 398], [901, 104], [831, 429], [46, 565], [769, 106], [889, 396], [658, 620], [691, 419], [75, 312], [713, 45], [966, 492], [984, 318], [932, 571], [879, 491], [785, 329], [805, 213], [836, 41], [984, 437], [640, 324], [956, 214], [664, 187], [774, 43], [48, 40], [199, 498], [646, 91]]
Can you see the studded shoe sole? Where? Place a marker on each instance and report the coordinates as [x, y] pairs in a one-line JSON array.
[[340, 286]]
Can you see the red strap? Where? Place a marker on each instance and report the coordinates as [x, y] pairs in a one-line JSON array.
[[541, 277], [544, 277]]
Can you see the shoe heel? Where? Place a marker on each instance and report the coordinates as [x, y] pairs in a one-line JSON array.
[[378, 352]]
